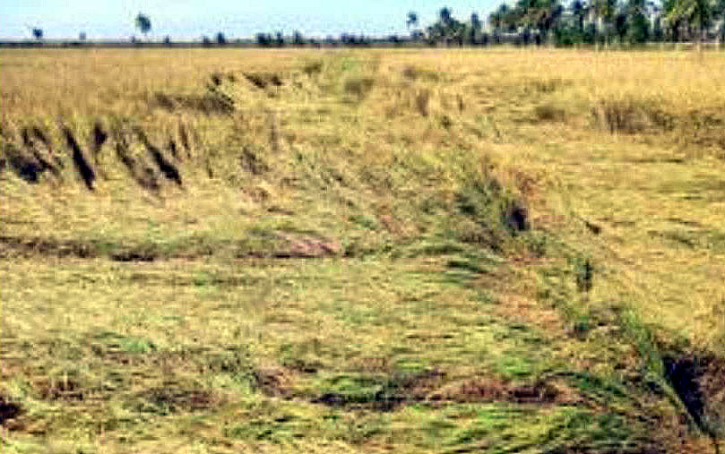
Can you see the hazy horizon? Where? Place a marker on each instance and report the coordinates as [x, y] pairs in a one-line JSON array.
[[189, 20]]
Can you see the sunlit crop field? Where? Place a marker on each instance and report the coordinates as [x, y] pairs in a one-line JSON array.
[[362, 251]]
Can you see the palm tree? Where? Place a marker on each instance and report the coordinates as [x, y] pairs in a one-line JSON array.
[[673, 23], [495, 20], [412, 22], [474, 29], [457, 32], [550, 13], [578, 10], [541, 15], [637, 24], [447, 29], [525, 12], [511, 19], [476, 23], [697, 12], [655, 12], [604, 11], [412, 19], [446, 16], [143, 23], [38, 33], [720, 13], [502, 19]]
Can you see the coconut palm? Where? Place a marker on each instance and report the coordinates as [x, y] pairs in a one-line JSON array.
[[699, 13], [412, 20], [604, 11], [143, 23], [495, 20], [720, 14], [578, 10], [550, 11], [446, 16], [474, 29]]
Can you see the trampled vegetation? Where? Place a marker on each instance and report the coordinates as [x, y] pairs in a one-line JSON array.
[[409, 251]]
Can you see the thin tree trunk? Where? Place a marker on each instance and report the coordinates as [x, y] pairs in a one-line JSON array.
[[598, 33]]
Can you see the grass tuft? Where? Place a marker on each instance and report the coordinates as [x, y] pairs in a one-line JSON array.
[[630, 116]]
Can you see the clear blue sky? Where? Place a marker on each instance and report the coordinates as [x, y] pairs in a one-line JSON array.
[[190, 19]]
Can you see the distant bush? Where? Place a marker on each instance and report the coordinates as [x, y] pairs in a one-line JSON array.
[[264, 39], [298, 39], [630, 116]]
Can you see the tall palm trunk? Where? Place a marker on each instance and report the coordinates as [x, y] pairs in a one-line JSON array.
[[598, 34]]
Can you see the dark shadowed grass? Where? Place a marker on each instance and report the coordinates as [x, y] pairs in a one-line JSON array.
[[80, 161]]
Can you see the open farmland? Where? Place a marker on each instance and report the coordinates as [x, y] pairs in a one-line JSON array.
[[362, 251]]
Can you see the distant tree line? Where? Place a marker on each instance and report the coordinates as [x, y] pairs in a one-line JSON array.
[[597, 22], [604, 22], [594, 22], [539, 22]]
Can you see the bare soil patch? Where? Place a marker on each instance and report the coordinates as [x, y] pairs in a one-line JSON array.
[[175, 398], [292, 246], [26, 247], [274, 381], [493, 390], [307, 247], [134, 256]]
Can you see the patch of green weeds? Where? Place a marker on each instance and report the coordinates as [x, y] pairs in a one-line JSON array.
[[598, 388], [109, 341], [507, 428], [473, 265], [280, 424], [365, 220], [377, 391], [516, 366], [434, 247], [345, 389]]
